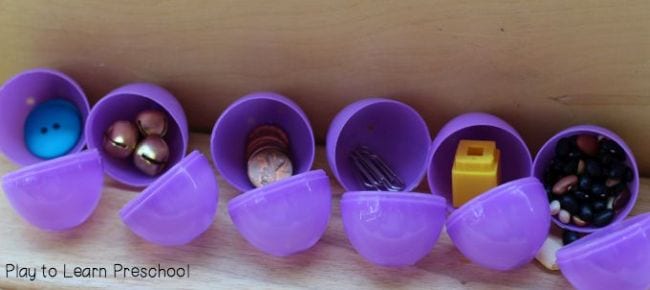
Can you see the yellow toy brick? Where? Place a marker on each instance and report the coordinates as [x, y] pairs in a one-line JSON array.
[[476, 169]]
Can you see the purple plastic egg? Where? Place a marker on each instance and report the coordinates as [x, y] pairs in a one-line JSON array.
[[284, 217], [386, 228], [392, 228], [178, 206], [125, 103], [547, 152], [615, 257], [57, 194], [503, 228], [20, 94]]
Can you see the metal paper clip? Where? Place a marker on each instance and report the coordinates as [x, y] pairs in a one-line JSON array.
[[375, 174]]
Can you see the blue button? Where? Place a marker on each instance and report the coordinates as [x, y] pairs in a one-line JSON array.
[[52, 128]]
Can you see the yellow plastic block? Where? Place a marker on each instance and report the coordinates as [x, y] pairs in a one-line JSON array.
[[476, 170]]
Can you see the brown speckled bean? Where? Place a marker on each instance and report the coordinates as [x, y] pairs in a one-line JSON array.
[[564, 184]]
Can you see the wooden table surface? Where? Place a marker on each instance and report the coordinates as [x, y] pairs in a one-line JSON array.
[[222, 258]]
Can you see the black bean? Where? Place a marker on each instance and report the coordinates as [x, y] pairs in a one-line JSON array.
[[599, 189], [599, 205], [629, 175], [616, 170], [568, 203], [594, 169], [603, 218], [611, 147], [569, 237], [618, 188], [571, 167], [557, 166], [575, 154], [563, 147], [606, 158], [582, 195], [584, 182], [585, 213], [550, 177]]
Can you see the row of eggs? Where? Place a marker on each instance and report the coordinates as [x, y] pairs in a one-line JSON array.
[[501, 229]]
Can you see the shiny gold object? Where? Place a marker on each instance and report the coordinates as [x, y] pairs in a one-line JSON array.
[[120, 139], [151, 155], [152, 122], [267, 166]]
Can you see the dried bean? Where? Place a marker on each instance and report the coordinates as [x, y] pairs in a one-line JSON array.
[[564, 216], [569, 237], [568, 203], [555, 207], [621, 200], [603, 218], [578, 221], [565, 184], [588, 144]]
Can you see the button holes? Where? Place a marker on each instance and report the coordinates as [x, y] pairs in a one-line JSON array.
[[56, 126], [43, 130]]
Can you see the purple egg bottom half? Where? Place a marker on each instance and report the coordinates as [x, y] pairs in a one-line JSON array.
[[615, 257], [177, 207], [57, 194], [392, 228], [285, 217], [503, 228]]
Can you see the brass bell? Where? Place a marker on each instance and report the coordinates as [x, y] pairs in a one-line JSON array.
[[151, 155], [152, 122], [120, 139]]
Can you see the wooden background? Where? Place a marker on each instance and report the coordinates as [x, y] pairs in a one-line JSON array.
[[541, 65]]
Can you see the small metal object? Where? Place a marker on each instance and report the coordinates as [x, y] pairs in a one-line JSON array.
[[267, 153], [120, 139], [375, 174], [267, 166], [267, 135], [152, 122], [151, 155]]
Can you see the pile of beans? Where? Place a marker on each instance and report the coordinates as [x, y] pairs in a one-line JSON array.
[[587, 182]]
